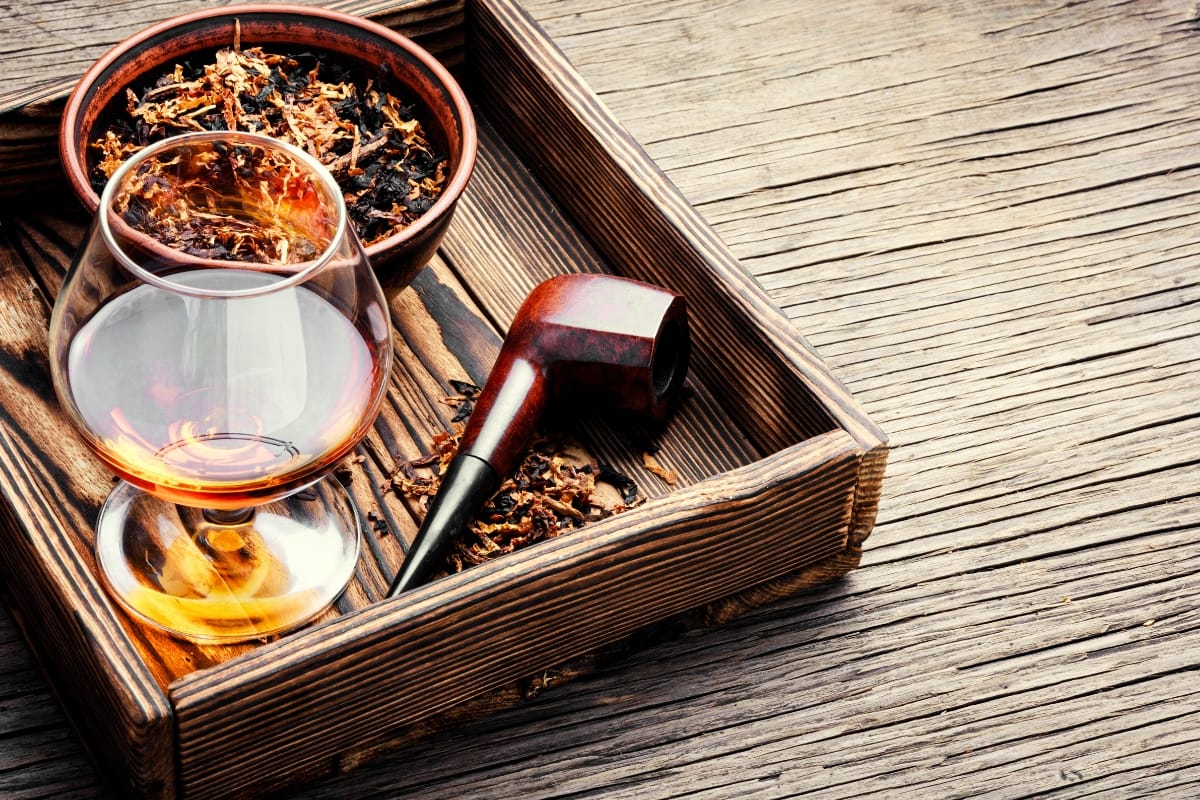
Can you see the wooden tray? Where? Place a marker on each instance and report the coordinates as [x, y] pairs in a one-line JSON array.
[[779, 469]]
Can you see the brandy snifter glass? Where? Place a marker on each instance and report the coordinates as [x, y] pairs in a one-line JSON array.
[[222, 343]]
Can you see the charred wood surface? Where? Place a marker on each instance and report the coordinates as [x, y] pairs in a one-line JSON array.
[[983, 217]]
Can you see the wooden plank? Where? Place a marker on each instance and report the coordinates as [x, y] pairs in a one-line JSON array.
[[725, 514], [1032, 377], [50, 44], [439, 335], [771, 125], [499, 621], [946, 718], [527, 83], [59, 43]]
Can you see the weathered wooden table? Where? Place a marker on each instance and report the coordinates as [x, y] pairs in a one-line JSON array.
[[983, 217]]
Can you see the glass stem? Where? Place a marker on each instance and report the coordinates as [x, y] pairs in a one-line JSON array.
[[228, 517]]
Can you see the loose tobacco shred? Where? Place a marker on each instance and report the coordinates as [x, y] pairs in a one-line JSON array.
[[554, 490], [370, 140], [652, 465], [228, 203]]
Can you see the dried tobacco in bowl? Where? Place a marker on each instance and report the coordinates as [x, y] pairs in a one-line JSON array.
[[228, 202], [371, 140]]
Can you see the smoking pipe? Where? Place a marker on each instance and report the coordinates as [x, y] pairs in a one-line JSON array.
[[590, 339]]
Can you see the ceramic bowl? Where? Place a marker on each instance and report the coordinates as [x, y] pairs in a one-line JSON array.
[[356, 43]]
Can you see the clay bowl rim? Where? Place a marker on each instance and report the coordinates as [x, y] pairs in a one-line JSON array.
[[69, 140]]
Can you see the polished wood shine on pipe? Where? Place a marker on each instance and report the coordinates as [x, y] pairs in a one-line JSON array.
[[593, 340]]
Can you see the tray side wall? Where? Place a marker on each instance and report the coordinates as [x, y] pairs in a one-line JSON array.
[[644, 225], [124, 718], [653, 235], [279, 715], [109, 693]]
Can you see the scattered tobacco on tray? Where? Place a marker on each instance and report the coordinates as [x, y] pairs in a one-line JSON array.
[[370, 139], [652, 464], [557, 488]]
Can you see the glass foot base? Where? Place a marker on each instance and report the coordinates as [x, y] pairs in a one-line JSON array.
[[219, 577]]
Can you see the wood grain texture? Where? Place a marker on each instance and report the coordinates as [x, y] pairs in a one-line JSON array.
[[247, 745], [50, 44], [1016, 306], [982, 217], [55, 43], [254, 723], [250, 718], [51, 485], [442, 332]]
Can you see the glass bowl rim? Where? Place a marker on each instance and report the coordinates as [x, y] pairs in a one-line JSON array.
[[306, 269]]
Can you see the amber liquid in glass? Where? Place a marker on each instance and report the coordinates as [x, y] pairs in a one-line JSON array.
[[221, 403]]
